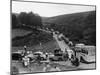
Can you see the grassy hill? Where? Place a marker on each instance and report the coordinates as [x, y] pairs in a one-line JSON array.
[[20, 32], [23, 36], [79, 27], [67, 18]]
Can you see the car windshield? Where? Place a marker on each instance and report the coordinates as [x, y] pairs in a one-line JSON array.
[[36, 54]]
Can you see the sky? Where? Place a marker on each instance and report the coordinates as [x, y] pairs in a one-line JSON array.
[[48, 9]]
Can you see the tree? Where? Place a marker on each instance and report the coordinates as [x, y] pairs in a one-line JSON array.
[[34, 19], [23, 18], [14, 21], [30, 19]]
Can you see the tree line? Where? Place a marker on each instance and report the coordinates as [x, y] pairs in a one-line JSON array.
[[28, 19]]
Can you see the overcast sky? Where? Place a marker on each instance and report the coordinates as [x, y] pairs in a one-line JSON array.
[[47, 9]]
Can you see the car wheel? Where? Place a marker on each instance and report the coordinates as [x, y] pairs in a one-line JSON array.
[[75, 62]]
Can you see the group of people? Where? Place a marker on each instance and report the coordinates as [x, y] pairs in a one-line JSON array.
[[47, 64]]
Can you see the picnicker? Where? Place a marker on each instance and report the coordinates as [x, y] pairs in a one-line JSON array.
[[26, 61]]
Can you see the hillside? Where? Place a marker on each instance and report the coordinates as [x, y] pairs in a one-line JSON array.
[[79, 27], [67, 18], [20, 32], [29, 37]]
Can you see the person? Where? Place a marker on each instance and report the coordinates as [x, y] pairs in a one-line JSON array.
[[47, 56], [25, 50], [47, 63], [26, 61], [38, 59], [70, 54]]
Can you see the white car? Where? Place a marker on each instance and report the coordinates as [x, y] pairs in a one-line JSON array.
[[36, 54]]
